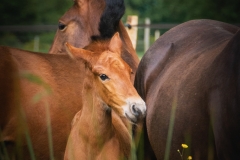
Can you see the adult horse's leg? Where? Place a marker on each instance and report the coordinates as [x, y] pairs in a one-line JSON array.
[[224, 101], [9, 103]]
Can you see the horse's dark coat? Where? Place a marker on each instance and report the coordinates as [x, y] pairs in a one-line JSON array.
[[197, 64]]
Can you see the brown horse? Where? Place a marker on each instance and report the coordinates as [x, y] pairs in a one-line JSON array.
[[87, 18], [40, 129], [56, 80], [98, 133], [189, 79]]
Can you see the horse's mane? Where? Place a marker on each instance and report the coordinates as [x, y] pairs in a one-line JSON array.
[[110, 18]]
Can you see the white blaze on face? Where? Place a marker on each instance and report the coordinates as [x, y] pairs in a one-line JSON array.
[[134, 108]]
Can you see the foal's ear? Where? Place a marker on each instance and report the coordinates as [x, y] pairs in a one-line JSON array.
[[76, 53], [115, 44]]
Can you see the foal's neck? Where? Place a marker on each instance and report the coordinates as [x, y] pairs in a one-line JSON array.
[[106, 130]]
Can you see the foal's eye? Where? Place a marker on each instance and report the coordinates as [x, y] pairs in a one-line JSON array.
[[103, 77], [61, 26]]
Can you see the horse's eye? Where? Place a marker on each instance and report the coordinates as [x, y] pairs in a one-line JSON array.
[[103, 77], [61, 26]]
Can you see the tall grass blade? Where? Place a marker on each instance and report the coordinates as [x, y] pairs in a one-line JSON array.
[[39, 96], [49, 130], [28, 139], [170, 129]]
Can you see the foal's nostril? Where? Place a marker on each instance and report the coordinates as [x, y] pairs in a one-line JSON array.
[[135, 110]]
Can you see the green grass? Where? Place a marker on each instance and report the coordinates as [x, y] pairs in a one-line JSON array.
[[140, 54]]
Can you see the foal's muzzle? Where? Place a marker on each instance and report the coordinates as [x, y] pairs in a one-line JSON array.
[[135, 109]]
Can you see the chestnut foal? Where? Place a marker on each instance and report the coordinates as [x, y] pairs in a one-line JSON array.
[[99, 130]]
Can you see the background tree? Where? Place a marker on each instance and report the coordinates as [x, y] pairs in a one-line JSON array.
[[178, 11], [30, 12]]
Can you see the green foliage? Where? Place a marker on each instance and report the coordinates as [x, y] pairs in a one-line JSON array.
[[45, 41], [10, 38], [177, 11], [30, 12]]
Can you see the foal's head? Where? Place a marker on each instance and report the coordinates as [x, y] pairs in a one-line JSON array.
[[111, 77]]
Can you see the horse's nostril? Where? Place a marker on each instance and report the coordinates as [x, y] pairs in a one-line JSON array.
[[135, 110]]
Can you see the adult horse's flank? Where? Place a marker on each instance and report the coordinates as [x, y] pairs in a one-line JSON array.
[[97, 132], [42, 95], [190, 76]]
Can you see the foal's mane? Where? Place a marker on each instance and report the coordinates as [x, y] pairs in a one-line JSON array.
[[98, 45]]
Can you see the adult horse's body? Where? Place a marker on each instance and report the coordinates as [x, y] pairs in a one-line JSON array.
[[191, 75], [97, 132], [58, 83], [28, 129]]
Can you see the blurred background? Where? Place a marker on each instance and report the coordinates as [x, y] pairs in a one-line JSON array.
[[162, 14]]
